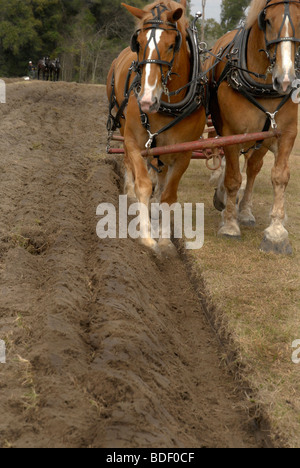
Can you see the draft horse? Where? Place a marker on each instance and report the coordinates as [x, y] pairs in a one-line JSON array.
[[44, 67], [250, 90], [54, 68], [163, 103]]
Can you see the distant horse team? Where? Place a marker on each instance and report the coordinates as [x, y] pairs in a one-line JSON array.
[[50, 69], [160, 94]]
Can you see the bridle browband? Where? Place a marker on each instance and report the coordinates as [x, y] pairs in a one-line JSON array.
[[279, 40], [153, 25]]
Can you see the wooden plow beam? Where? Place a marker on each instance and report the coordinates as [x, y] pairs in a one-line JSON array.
[[202, 149]]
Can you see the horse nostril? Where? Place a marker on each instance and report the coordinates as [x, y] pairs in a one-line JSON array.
[[277, 85]]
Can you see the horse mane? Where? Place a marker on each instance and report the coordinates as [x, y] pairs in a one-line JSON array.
[[183, 23], [255, 8]]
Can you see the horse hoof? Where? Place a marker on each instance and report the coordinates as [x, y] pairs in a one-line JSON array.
[[248, 222], [230, 232], [167, 248], [229, 236], [150, 244], [280, 248], [247, 219], [218, 204]]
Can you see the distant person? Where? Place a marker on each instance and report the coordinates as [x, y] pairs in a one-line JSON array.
[[58, 68], [31, 70]]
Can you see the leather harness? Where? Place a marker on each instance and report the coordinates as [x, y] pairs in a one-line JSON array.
[[235, 73], [240, 78]]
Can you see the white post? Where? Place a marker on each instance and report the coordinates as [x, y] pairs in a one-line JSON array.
[[2, 352], [2, 92]]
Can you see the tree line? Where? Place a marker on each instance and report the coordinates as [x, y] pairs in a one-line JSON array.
[[85, 34], [232, 13]]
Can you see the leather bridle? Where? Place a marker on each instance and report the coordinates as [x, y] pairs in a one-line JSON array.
[[153, 25], [263, 26]]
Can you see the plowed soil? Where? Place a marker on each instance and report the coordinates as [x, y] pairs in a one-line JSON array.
[[107, 344]]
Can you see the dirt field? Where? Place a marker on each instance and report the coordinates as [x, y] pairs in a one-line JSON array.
[[107, 345], [254, 298]]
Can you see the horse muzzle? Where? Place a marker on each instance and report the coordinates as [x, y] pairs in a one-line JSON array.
[[283, 83], [150, 107], [150, 101]]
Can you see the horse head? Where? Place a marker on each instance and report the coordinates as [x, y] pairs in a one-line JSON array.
[[280, 23], [157, 42]]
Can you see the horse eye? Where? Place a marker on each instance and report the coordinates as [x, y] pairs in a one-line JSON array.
[[171, 48], [268, 22]]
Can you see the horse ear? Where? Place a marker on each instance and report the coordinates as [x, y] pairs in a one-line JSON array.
[[137, 12], [174, 16]]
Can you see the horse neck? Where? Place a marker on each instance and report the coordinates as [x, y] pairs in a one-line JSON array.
[[258, 61], [181, 70]]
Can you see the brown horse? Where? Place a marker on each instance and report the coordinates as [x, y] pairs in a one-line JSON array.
[[44, 67], [246, 102], [164, 67]]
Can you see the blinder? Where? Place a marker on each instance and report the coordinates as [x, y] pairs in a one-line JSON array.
[[178, 43], [134, 45], [262, 20]]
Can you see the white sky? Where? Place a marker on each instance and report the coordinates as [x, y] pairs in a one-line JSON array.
[[213, 8]]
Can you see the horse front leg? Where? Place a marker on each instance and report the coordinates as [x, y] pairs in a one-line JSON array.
[[276, 237], [232, 183], [220, 196], [254, 165], [143, 188], [169, 184], [129, 182]]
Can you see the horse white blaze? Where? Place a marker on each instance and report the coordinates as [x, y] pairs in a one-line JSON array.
[[147, 99], [287, 62]]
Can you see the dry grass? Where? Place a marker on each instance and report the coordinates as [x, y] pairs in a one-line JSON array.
[[256, 296]]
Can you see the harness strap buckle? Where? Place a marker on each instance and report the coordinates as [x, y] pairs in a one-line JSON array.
[[272, 118], [148, 145], [144, 120], [270, 70], [166, 92], [234, 77]]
